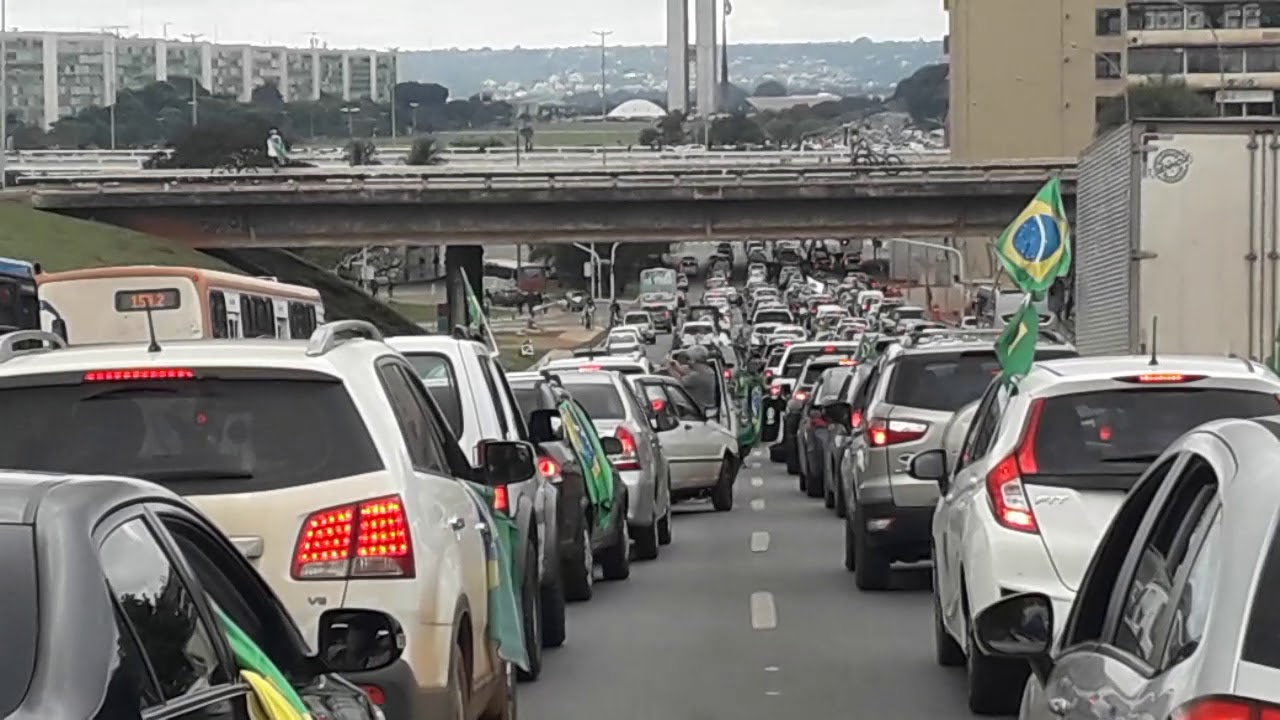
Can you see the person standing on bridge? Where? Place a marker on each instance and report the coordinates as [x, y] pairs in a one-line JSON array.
[[276, 151]]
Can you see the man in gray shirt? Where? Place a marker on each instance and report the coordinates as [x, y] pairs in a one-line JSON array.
[[697, 375]]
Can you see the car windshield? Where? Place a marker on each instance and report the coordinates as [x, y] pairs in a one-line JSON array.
[[600, 400], [947, 381], [1119, 432], [636, 318], [815, 369], [909, 313], [437, 375], [195, 436]]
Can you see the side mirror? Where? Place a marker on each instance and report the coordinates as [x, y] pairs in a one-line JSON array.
[[929, 465], [839, 413], [352, 640], [1018, 627], [504, 462], [544, 426], [611, 445]]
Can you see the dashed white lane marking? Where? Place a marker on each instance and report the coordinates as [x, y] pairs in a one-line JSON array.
[[764, 614], [772, 693], [759, 541], [757, 504], [757, 481], [771, 668]]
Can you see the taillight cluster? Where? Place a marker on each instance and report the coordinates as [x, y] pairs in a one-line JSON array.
[[1226, 707], [369, 539], [883, 433], [549, 469], [1009, 501], [630, 458]]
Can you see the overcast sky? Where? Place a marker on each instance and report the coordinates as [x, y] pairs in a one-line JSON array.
[[413, 24]]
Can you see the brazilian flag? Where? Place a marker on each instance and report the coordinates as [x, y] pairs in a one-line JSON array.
[[1036, 247], [1016, 346]]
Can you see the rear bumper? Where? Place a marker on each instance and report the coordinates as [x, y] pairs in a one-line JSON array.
[[402, 698], [640, 491], [902, 532]]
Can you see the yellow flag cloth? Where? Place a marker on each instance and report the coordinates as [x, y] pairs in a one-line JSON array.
[[266, 702]]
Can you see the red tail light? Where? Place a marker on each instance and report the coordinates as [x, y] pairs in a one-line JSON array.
[[589, 368], [375, 694], [1224, 707], [629, 459], [801, 395], [728, 374], [1160, 378], [892, 432], [139, 374], [549, 469], [769, 374], [775, 390], [855, 419], [360, 540], [501, 500], [1009, 501]]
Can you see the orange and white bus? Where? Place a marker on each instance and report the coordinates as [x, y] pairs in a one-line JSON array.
[[109, 304]]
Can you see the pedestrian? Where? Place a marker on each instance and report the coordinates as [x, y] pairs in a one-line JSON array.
[[275, 149]]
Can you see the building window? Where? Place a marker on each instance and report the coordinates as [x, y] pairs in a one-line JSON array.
[[1107, 65], [1155, 61], [1156, 17], [1107, 21], [1262, 59], [1214, 60]]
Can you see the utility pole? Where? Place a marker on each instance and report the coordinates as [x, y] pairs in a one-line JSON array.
[[195, 93], [395, 52], [111, 75], [724, 52], [4, 93], [604, 101]]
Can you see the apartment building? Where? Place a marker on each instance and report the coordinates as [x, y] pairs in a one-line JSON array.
[[53, 75], [1031, 79]]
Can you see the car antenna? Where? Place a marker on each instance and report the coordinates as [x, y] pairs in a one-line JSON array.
[[154, 346], [1155, 320]]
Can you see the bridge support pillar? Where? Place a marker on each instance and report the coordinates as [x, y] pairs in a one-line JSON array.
[[463, 261]]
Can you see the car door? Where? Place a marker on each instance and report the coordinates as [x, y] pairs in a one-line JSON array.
[[184, 669], [1116, 663], [702, 440]]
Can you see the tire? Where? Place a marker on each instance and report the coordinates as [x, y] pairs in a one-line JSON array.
[[776, 454], [793, 461], [994, 686], [813, 484], [850, 546], [664, 528], [503, 705], [842, 508], [553, 620], [722, 494], [615, 560], [577, 574], [946, 651], [531, 614], [459, 688], [647, 545], [871, 571]]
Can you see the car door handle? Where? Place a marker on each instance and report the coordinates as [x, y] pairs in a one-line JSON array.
[[457, 523]]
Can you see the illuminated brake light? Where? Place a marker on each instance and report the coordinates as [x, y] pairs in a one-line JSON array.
[[1008, 499], [1225, 707], [769, 373], [846, 362], [360, 540], [139, 374], [855, 419], [1160, 378], [893, 432], [775, 390], [375, 694], [589, 368], [629, 459], [801, 395], [829, 349], [549, 469], [728, 374], [501, 499]]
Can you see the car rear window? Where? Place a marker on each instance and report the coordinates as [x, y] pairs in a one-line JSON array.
[[638, 318], [815, 370], [1262, 634], [194, 436], [909, 313], [691, 329], [829, 389], [437, 375], [799, 356], [775, 316], [18, 598], [600, 400], [948, 381], [1119, 432], [529, 399]]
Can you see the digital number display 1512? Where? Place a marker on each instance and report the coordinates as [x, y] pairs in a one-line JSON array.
[[140, 300]]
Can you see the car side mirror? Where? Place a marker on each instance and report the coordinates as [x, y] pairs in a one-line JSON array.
[[504, 462], [611, 445], [929, 465], [839, 413], [544, 426], [355, 640], [1018, 627]]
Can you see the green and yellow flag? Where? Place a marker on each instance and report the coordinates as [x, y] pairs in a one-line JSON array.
[[1016, 346], [1036, 247]]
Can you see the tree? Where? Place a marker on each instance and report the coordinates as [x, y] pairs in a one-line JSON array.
[[650, 137], [736, 130], [1158, 99], [924, 95], [770, 88], [267, 96], [424, 151], [361, 152], [671, 127]]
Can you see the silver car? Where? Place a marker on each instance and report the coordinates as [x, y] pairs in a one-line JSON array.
[[615, 411], [1175, 616]]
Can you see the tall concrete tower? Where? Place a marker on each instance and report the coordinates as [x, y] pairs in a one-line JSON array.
[[706, 59], [678, 55]]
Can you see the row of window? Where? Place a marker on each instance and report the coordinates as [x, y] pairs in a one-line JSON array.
[[1176, 16], [256, 317], [1199, 59]]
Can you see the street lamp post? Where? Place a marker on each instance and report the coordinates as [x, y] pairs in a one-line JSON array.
[[4, 92], [604, 102], [195, 95], [350, 112], [394, 52], [413, 118]]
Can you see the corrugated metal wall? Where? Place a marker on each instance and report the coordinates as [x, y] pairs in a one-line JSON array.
[[1103, 245]]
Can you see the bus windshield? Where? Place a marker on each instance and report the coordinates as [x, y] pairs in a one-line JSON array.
[[658, 280]]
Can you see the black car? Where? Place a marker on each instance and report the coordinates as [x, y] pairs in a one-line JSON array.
[[112, 591], [582, 536]]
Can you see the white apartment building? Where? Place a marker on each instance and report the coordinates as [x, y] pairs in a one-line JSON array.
[[53, 75]]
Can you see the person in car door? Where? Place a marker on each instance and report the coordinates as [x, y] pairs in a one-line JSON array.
[[699, 378]]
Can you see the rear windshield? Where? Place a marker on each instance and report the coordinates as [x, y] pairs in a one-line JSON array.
[[600, 400], [437, 375], [18, 566], [529, 399], [909, 313], [639, 318], [948, 381], [829, 389], [1119, 432], [764, 328], [775, 316], [814, 371], [799, 356], [689, 329], [198, 436]]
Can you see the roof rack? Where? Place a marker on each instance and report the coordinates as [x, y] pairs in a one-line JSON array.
[[330, 335], [9, 343]]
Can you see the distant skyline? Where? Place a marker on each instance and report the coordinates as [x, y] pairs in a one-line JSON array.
[[403, 24]]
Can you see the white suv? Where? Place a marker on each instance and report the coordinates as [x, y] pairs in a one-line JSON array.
[[325, 461]]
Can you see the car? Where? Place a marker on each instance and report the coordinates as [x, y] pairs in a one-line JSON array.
[[682, 282], [899, 315], [641, 321], [1047, 461], [688, 266], [700, 450], [798, 403], [915, 387], [759, 333], [614, 410], [661, 307], [624, 341], [814, 435], [160, 631], [302, 451], [695, 332], [843, 423], [591, 520], [774, 314], [1175, 614], [472, 391]]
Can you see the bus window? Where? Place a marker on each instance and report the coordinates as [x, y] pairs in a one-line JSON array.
[[258, 316], [302, 320], [218, 314]]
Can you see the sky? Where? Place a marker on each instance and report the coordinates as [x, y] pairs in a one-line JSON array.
[[438, 24]]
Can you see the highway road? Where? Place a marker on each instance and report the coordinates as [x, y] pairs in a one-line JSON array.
[[749, 615]]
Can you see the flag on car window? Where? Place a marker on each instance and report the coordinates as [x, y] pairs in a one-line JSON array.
[[1036, 247], [1016, 346]]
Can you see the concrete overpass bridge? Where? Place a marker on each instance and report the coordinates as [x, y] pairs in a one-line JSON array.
[[466, 206]]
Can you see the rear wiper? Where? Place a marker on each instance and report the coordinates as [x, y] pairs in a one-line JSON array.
[[1144, 458], [194, 474]]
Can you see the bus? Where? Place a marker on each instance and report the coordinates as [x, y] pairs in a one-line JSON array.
[[111, 304], [19, 300], [527, 277], [657, 280]]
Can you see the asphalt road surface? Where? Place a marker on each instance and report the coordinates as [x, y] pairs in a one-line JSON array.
[[749, 615]]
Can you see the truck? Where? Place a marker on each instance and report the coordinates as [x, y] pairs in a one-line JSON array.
[[1179, 220]]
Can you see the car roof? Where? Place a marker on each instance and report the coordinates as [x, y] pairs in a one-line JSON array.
[[578, 376], [1046, 373], [21, 491], [431, 343]]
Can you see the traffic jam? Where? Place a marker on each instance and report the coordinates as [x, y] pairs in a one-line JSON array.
[[299, 517]]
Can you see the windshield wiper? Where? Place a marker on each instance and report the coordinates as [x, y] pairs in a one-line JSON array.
[[1140, 458], [194, 474]]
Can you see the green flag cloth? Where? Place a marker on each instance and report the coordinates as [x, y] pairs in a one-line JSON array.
[[751, 402], [1016, 346], [1036, 247], [505, 627], [250, 657], [582, 437]]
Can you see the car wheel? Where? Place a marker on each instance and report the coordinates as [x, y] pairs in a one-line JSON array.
[[793, 462], [552, 601], [813, 485], [615, 560], [872, 565], [664, 528], [850, 546], [722, 494], [647, 542], [946, 650], [577, 572], [459, 684], [503, 706], [531, 615]]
